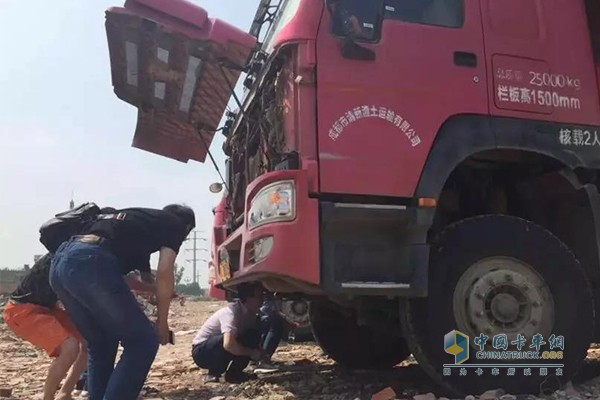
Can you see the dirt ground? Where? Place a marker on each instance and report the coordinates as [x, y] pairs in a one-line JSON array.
[[305, 373]]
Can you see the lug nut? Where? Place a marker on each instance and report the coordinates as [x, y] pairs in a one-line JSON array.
[[508, 277]]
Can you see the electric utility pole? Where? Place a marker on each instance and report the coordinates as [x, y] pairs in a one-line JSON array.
[[195, 249]]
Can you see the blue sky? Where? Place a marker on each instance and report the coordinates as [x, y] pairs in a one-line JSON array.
[[62, 129]]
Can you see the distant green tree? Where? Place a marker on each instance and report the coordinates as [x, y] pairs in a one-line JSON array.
[[178, 274], [191, 289]]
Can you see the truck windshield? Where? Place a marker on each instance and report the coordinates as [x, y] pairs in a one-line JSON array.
[[286, 11]]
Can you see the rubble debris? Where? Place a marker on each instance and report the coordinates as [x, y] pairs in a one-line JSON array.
[[428, 396], [185, 333], [492, 394], [386, 394], [570, 390], [303, 373]]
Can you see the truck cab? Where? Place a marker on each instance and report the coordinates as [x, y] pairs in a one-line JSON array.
[[425, 172]]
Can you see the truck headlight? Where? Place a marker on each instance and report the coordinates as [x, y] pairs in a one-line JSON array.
[[273, 203]]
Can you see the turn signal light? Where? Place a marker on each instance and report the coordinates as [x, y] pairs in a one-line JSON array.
[[427, 202]]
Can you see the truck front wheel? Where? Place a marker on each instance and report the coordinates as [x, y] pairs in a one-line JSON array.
[[498, 280], [355, 346]]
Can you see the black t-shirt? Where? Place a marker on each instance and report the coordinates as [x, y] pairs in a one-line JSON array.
[[141, 232], [35, 286]]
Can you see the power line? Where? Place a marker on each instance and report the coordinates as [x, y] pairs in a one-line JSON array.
[[195, 250]]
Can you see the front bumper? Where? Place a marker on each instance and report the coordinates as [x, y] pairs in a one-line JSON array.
[[333, 248], [292, 263]]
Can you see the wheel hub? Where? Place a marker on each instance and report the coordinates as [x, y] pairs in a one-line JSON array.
[[296, 310], [503, 295], [299, 307], [505, 308]]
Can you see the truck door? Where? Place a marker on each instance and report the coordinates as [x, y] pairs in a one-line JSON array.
[[540, 63], [377, 119]]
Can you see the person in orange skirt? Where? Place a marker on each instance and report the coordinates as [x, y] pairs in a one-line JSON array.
[[33, 314]]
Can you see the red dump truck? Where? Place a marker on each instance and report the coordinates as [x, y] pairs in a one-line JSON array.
[[424, 172], [294, 309]]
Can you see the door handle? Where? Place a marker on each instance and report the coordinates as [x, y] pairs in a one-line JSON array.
[[465, 59]]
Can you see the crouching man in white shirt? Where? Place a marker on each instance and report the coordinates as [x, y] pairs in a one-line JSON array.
[[230, 338]]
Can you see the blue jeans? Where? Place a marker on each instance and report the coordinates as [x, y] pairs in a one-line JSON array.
[[89, 283], [211, 355], [271, 326]]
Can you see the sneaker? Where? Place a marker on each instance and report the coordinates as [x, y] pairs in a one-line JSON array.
[[268, 364], [238, 377], [211, 379], [266, 367]]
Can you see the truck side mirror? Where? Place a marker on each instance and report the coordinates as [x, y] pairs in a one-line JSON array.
[[215, 187], [342, 26]]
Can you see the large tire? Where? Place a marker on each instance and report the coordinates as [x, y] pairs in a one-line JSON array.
[[356, 347], [463, 278]]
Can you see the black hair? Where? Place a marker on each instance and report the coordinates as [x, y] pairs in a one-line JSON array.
[[247, 289], [184, 213]]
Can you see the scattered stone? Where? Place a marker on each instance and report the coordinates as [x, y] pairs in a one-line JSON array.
[[304, 373], [303, 361], [470, 397], [185, 333], [428, 396], [386, 394], [492, 394], [570, 390]]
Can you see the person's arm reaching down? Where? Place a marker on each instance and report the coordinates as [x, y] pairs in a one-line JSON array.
[[139, 285], [147, 277], [231, 345], [165, 284]]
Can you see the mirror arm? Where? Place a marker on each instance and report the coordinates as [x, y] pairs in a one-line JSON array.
[[350, 48], [354, 51]]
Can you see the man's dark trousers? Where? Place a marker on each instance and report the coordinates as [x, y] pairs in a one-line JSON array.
[[211, 355], [271, 326], [89, 282]]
